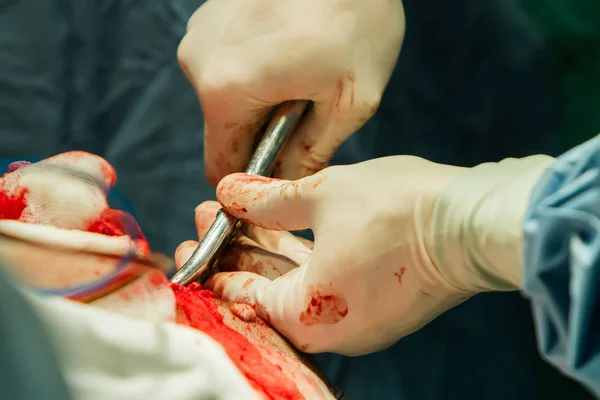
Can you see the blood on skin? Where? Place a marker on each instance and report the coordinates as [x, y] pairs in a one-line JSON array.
[[324, 306], [197, 308], [399, 274]]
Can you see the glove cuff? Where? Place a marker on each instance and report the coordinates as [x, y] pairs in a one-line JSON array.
[[477, 227]]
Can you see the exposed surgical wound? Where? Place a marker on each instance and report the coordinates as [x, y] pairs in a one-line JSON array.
[[198, 309]]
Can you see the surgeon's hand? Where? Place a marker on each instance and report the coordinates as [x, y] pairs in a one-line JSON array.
[[369, 279], [244, 57], [398, 241]]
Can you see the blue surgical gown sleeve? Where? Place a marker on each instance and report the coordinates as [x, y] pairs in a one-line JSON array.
[[562, 263]]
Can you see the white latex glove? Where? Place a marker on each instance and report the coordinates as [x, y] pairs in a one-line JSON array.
[[477, 226], [373, 277], [109, 356], [369, 280], [244, 57]]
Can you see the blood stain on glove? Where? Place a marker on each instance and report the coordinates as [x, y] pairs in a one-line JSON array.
[[235, 187], [243, 312], [399, 274], [199, 310], [325, 306], [351, 77]]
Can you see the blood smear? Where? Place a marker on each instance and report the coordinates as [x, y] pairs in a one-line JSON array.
[[118, 223], [201, 311]]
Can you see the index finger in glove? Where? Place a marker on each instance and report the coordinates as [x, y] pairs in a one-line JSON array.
[[258, 250], [270, 203]]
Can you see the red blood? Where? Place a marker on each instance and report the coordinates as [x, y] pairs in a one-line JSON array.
[[237, 207], [13, 205], [201, 312], [110, 223], [399, 274], [109, 174], [118, 223], [325, 306], [157, 279]]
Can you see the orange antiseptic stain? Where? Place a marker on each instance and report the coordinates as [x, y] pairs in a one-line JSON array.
[[324, 306], [399, 274]]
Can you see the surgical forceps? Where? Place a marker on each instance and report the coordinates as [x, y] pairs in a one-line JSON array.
[[283, 121]]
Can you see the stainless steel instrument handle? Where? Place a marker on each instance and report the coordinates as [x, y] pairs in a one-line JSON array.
[[284, 120]]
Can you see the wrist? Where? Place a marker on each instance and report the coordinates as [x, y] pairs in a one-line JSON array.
[[477, 225]]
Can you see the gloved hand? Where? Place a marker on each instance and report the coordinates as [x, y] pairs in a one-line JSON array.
[[244, 57], [396, 241]]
